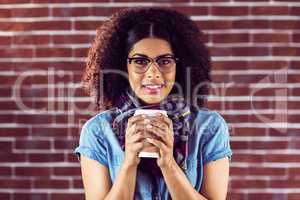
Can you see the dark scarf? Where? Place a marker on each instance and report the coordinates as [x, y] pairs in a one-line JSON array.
[[177, 110]]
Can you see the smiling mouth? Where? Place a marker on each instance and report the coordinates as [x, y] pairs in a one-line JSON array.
[[152, 88]]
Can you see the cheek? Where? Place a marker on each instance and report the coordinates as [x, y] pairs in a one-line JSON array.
[[135, 80], [170, 79]]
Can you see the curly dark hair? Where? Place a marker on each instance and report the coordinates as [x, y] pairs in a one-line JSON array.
[[116, 36]]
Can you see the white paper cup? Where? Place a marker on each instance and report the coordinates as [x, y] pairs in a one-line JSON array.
[[149, 150]]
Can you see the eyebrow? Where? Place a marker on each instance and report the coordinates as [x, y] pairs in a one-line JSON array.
[[143, 55]]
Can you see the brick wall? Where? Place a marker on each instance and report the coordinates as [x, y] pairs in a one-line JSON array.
[[43, 44]]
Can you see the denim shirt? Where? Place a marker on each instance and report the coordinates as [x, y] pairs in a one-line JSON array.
[[209, 141]]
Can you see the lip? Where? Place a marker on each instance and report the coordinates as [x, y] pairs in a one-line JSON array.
[[152, 88]]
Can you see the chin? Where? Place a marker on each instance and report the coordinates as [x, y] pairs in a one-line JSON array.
[[151, 100]]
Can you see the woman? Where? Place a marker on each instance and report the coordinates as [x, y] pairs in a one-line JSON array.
[[152, 58]]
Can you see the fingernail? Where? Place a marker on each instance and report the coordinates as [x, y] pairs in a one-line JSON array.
[[158, 114], [148, 139], [143, 116], [147, 120], [148, 126]]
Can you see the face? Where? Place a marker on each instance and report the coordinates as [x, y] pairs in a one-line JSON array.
[[153, 85]]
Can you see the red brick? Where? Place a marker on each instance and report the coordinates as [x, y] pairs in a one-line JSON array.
[[13, 1], [293, 78], [285, 24], [30, 39], [295, 118], [67, 196], [285, 184], [220, 51], [248, 158], [247, 78], [220, 78], [293, 172], [214, 24], [256, 64], [57, 132], [77, 183], [255, 196], [33, 119], [229, 65], [5, 171], [12, 157], [28, 26], [14, 132], [65, 143], [53, 52], [283, 131], [243, 184], [293, 104], [250, 51], [293, 196], [5, 92], [32, 144], [30, 12], [295, 65], [189, 10], [72, 39], [67, 171], [6, 146], [231, 38], [286, 158], [67, 1], [5, 13], [295, 10], [229, 11], [48, 183], [251, 24], [238, 131], [258, 171], [235, 195], [87, 25], [260, 144], [5, 40], [285, 51], [33, 171], [29, 196], [270, 10], [14, 184], [72, 157], [16, 53], [271, 37], [80, 52], [267, 91], [71, 11], [48, 157]]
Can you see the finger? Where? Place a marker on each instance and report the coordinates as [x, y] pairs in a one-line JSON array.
[[134, 128], [137, 147], [135, 119], [158, 123], [163, 148], [131, 130], [166, 119], [137, 137], [163, 135]]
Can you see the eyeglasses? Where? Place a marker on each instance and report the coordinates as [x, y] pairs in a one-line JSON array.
[[141, 64]]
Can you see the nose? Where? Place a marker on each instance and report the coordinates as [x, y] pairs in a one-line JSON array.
[[153, 71]]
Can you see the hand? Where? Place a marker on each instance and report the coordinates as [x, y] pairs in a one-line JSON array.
[[134, 140], [162, 127]]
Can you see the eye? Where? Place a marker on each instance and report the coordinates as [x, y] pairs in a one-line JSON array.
[[140, 61], [165, 61]]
